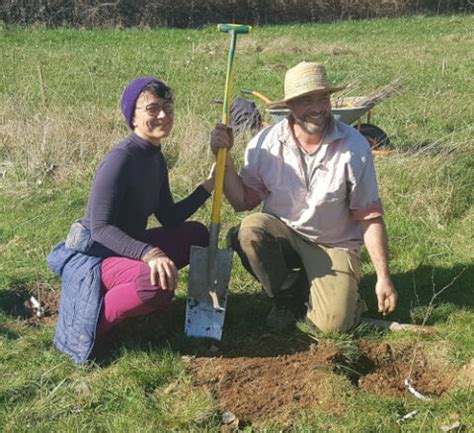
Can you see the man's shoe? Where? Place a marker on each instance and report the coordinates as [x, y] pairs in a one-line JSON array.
[[280, 318], [297, 288]]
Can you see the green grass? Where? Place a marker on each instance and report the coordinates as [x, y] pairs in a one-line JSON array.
[[426, 188]]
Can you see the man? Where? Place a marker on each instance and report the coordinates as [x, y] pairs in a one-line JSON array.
[[316, 178]]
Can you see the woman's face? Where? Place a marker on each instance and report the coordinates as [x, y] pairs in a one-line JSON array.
[[153, 118]]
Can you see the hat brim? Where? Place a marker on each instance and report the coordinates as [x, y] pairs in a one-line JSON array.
[[283, 103]]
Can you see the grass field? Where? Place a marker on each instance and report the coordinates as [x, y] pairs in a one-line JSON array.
[[59, 111]]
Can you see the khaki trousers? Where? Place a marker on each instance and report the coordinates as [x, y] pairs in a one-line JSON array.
[[271, 251]]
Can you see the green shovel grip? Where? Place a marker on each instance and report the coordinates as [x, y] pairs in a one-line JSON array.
[[237, 28]]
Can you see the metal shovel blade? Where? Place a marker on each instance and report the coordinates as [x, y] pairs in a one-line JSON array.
[[205, 316]]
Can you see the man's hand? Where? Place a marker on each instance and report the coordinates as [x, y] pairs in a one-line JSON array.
[[221, 136], [375, 239], [386, 296], [162, 269]]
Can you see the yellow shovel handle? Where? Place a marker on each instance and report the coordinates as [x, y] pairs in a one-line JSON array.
[[233, 29], [222, 153], [218, 186]]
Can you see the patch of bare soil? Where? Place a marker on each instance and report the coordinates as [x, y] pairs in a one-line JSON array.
[[395, 364], [263, 388], [43, 308], [274, 388]]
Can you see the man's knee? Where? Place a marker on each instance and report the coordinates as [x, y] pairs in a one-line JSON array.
[[260, 222], [330, 324], [245, 235], [334, 318], [254, 232]]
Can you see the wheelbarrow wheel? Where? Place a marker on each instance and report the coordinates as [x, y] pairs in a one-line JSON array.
[[376, 136]]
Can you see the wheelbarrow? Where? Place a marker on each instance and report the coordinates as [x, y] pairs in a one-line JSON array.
[[346, 109]]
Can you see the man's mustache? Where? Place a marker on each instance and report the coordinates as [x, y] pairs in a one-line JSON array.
[[315, 116]]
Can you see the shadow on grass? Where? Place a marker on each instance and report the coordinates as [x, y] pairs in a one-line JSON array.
[[7, 333], [25, 392], [12, 301], [417, 288], [12, 306], [245, 333]]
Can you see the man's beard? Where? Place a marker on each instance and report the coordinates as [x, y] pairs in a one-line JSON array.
[[312, 127]]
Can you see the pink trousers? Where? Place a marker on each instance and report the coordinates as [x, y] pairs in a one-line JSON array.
[[126, 282]]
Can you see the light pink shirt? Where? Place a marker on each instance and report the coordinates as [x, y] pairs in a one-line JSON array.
[[342, 188]]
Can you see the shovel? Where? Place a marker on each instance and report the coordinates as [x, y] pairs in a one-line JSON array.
[[209, 268]]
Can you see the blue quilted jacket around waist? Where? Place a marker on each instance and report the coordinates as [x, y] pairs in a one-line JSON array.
[[81, 295]]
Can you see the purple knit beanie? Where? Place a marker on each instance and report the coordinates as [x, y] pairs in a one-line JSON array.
[[131, 94]]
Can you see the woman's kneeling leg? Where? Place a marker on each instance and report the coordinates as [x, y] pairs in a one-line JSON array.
[[128, 292], [176, 242]]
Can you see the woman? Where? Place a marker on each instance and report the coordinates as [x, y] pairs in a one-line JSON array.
[[111, 266]]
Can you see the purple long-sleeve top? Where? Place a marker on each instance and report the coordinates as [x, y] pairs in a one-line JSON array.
[[131, 183]]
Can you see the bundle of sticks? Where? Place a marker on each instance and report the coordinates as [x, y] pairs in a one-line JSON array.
[[391, 89]]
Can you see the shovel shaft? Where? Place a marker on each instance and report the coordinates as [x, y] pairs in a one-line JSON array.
[[229, 78], [218, 187], [222, 153], [212, 249]]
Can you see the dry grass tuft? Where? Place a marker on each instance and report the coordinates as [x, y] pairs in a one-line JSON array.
[[432, 186], [458, 38], [283, 45], [55, 141], [187, 152], [66, 144], [286, 45]]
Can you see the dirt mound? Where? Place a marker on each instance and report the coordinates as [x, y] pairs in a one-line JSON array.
[[259, 387], [393, 365], [272, 388], [43, 308]]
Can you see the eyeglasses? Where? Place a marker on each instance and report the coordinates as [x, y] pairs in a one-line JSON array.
[[155, 109]]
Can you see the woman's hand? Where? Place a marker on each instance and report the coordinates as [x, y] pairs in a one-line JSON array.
[[162, 270], [221, 136], [208, 184]]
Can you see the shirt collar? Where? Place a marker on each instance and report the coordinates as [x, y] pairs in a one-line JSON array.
[[144, 144], [335, 132]]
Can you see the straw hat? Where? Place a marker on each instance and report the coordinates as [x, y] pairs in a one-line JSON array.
[[304, 79]]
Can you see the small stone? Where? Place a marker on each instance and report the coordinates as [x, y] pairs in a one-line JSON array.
[[170, 388], [455, 426], [228, 417], [82, 389], [214, 349]]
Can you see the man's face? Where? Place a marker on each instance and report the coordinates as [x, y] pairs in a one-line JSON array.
[[312, 112], [153, 118]]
